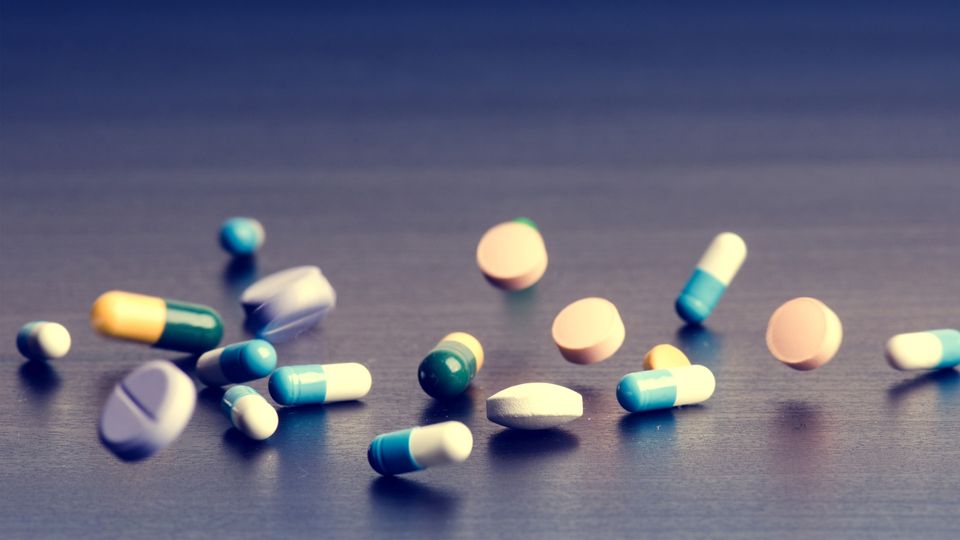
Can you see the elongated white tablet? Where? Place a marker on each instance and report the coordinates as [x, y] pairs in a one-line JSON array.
[[147, 410], [536, 405]]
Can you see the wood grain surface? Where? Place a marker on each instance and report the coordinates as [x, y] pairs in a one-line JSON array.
[[379, 141]]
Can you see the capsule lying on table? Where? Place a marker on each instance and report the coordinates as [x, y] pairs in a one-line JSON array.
[[249, 412], [449, 367], [933, 349], [160, 322], [315, 384], [665, 388], [417, 448]]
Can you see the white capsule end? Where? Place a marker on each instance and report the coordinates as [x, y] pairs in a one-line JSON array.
[[347, 381], [439, 444], [255, 417], [724, 256], [695, 384], [916, 350]]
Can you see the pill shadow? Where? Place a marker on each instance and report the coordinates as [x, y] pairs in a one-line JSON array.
[[187, 364], [944, 382], [659, 423], [238, 274], [520, 304], [211, 396], [516, 444], [700, 343], [309, 422], [457, 408], [243, 446], [401, 500], [39, 377], [800, 439]]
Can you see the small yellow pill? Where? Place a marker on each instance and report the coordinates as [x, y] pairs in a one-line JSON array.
[[665, 356]]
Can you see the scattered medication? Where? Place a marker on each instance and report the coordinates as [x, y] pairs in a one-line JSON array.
[[804, 333], [285, 304], [316, 384], [249, 412], [241, 236], [536, 405], [588, 331], [665, 388], [237, 363], [449, 367], [160, 322], [419, 448], [42, 340], [512, 255], [933, 349], [664, 356], [711, 277], [147, 410]]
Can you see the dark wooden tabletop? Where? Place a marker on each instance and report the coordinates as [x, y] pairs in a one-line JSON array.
[[379, 142]]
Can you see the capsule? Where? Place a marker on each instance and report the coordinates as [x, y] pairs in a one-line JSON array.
[[448, 369], [665, 388], [419, 448], [42, 340], [241, 236], [711, 277], [249, 412], [933, 349], [316, 384], [160, 322], [237, 363]]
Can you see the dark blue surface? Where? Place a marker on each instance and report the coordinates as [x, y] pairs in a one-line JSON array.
[[379, 141]]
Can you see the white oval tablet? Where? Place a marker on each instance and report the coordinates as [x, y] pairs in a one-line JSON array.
[[536, 405]]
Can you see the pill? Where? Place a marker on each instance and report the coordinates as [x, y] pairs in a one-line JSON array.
[[512, 255], [160, 322], [241, 236], [316, 384], [804, 333], [711, 277], [147, 410], [249, 412], [536, 405], [449, 367], [285, 304], [664, 356], [42, 340], [589, 330], [933, 349], [665, 388], [237, 363], [419, 448]]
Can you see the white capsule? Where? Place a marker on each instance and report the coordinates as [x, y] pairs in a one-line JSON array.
[[250, 412], [536, 405], [934, 349]]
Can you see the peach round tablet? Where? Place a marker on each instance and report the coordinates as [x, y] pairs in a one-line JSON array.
[[512, 255], [804, 333], [588, 331], [665, 356]]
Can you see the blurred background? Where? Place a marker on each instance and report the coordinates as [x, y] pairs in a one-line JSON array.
[[379, 140]]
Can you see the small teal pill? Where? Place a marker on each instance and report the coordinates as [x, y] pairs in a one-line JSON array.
[[241, 236]]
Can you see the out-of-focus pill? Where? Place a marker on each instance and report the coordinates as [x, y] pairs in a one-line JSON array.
[[664, 356], [147, 410], [589, 330], [282, 305], [536, 405], [315, 384], [804, 333], [933, 349], [42, 340], [418, 448], [711, 277], [241, 236], [249, 412], [665, 388], [160, 322], [512, 255], [237, 363], [449, 367]]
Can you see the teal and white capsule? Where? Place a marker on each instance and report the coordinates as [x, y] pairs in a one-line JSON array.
[[665, 388], [418, 448], [932, 349], [42, 340], [249, 412], [237, 363], [710, 279], [315, 384]]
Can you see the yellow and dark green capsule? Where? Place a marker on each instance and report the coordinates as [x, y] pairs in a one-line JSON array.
[[448, 369], [160, 322]]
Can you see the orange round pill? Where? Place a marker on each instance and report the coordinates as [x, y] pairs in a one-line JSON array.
[[512, 255], [588, 331], [664, 356], [804, 333]]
